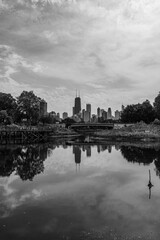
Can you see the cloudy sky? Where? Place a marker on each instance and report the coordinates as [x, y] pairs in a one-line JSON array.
[[107, 49]]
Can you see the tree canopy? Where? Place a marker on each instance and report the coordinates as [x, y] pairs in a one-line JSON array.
[[138, 112], [157, 105], [28, 107], [8, 103]]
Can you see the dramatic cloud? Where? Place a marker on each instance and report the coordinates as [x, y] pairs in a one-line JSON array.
[[108, 49]]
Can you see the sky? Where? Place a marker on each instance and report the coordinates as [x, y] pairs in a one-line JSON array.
[[109, 50]]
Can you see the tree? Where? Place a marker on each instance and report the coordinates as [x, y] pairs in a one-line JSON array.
[[8, 103], [138, 112], [48, 119], [4, 118], [68, 121], [157, 105], [28, 107]]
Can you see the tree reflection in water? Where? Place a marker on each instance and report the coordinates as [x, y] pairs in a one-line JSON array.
[[142, 155], [28, 161], [25, 161], [138, 154]]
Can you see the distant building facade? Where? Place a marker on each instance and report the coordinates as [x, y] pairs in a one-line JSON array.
[[88, 109], [77, 105], [98, 112], [109, 115], [86, 116], [43, 108], [65, 115], [117, 115]]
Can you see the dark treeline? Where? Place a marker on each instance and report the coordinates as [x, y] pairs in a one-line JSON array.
[[25, 107], [142, 112]]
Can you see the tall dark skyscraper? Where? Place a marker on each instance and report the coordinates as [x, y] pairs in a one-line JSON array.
[[77, 105]]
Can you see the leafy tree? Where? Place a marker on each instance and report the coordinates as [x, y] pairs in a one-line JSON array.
[[157, 105], [28, 107], [138, 112], [8, 103], [4, 118], [47, 119], [68, 121]]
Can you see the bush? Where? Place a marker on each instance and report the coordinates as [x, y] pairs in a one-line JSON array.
[[156, 122]]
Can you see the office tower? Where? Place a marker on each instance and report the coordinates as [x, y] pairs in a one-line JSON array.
[[117, 115], [43, 108], [109, 113], [73, 111], [101, 111], [94, 118], [83, 112], [98, 112], [104, 115], [65, 115], [86, 116], [58, 115], [88, 109], [77, 105]]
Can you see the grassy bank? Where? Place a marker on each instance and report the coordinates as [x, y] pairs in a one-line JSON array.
[[139, 131]]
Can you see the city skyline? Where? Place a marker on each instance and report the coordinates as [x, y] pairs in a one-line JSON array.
[[107, 49]]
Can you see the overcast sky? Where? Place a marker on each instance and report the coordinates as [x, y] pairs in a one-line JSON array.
[[107, 49]]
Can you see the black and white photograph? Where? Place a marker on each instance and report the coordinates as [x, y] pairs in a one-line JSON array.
[[79, 119]]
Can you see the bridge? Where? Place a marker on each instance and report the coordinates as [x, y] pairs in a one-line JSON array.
[[91, 127]]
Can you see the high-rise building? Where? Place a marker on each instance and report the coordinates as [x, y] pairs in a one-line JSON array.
[[117, 115], [88, 109], [109, 116], [94, 118], [83, 112], [65, 115], [98, 112], [73, 110], [86, 116], [104, 115], [58, 115], [77, 105], [123, 107], [43, 108]]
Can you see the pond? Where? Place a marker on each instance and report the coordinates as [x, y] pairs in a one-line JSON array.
[[80, 191]]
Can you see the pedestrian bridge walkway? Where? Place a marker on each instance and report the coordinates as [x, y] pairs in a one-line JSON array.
[[91, 126]]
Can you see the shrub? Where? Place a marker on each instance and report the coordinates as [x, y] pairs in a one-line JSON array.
[[156, 122]]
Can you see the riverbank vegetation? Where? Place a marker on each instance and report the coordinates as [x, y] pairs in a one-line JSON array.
[[138, 131]]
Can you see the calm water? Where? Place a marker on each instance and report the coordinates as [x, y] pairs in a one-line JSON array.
[[79, 192]]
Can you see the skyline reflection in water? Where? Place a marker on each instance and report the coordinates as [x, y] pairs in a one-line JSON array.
[[56, 191]]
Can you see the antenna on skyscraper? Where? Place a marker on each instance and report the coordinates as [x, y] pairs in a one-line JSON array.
[[76, 93], [79, 93]]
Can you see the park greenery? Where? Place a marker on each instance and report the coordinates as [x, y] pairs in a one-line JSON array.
[[25, 109]]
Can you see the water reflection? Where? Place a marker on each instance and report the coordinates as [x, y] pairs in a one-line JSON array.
[[28, 161], [109, 193]]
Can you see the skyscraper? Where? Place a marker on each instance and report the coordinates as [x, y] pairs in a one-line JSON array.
[[88, 109], [109, 113], [77, 105], [43, 108], [98, 112], [117, 115], [65, 115]]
